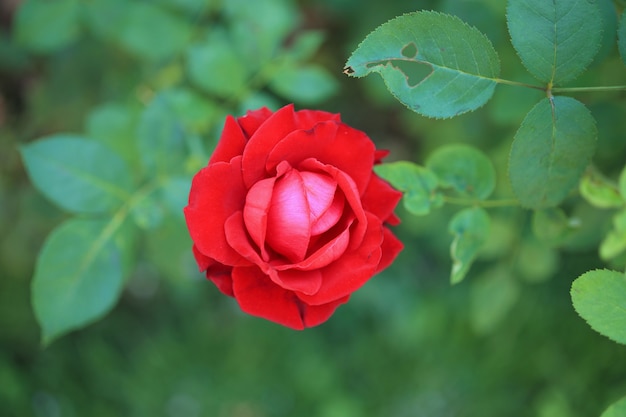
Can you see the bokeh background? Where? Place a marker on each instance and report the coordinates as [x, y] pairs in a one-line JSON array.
[[505, 342]]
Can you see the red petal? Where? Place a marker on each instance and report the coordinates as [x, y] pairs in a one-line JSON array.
[[253, 120], [216, 272], [272, 131], [259, 296], [380, 198], [258, 203], [350, 271], [306, 119], [232, 142], [216, 192], [391, 248], [332, 143], [307, 282], [238, 238], [330, 217]]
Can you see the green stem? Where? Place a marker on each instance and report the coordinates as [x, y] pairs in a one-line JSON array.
[[518, 84], [588, 89], [481, 203]]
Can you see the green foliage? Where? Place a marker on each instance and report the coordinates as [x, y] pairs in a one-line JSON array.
[[621, 36], [556, 40], [552, 148], [418, 184], [598, 297], [464, 169], [617, 409], [79, 175], [431, 72], [470, 228], [46, 26]]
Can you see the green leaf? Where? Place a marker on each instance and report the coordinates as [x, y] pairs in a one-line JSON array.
[[78, 275], [418, 184], [115, 125], [175, 194], [614, 242], [551, 225], [434, 63], [464, 168], [556, 40], [617, 409], [621, 36], [215, 67], [492, 296], [104, 17], [153, 33], [599, 296], [599, 191], [622, 183], [79, 175], [161, 138], [551, 150], [195, 112], [45, 26], [306, 84], [470, 228]]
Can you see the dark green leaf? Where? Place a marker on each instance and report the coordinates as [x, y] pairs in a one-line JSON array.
[[45, 26], [418, 184], [599, 297], [551, 150], [153, 33], [79, 175], [434, 63], [493, 294], [161, 138], [617, 409], [621, 36], [306, 84], [464, 168], [470, 228], [78, 276], [556, 40]]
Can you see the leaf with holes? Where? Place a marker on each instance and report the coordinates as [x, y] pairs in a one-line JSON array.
[[470, 228], [556, 40], [78, 275], [418, 184], [599, 296], [77, 174], [551, 150], [434, 63]]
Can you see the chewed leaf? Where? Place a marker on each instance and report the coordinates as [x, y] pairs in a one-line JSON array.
[[434, 63], [556, 40], [551, 150]]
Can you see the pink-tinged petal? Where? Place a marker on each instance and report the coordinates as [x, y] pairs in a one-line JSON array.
[[216, 272], [257, 295], [288, 220], [320, 194], [307, 282], [231, 144], [253, 119], [272, 131], [216, 192], [380, 198], [391, 247], [328, 253], [255, 212], [332, 143], [350, 271]]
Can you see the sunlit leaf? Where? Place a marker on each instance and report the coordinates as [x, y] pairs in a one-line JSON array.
[[464, 168], [551, 150], [434, 63], [470, 228], [45, 26], [417, 183], [78, 276], [617, 409], [599, 191], [556, 40], [599, 296], [77, 174], [614, 243]]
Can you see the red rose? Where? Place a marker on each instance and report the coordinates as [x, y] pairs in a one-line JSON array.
[[288, 217]]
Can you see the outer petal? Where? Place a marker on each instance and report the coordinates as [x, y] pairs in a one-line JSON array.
[[306, 119], [217, 191], [272, 131], [259, 296], [380, 198], [332, 143], [391, 247], [216, 272], [348, 273], [253, 120], [231, 143]]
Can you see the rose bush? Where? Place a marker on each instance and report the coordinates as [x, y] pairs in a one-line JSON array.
[[288, 216]]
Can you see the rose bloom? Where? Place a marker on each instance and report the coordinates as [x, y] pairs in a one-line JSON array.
[[288, 217]]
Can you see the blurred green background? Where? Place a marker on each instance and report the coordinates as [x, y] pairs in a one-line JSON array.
[[505, 342]]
